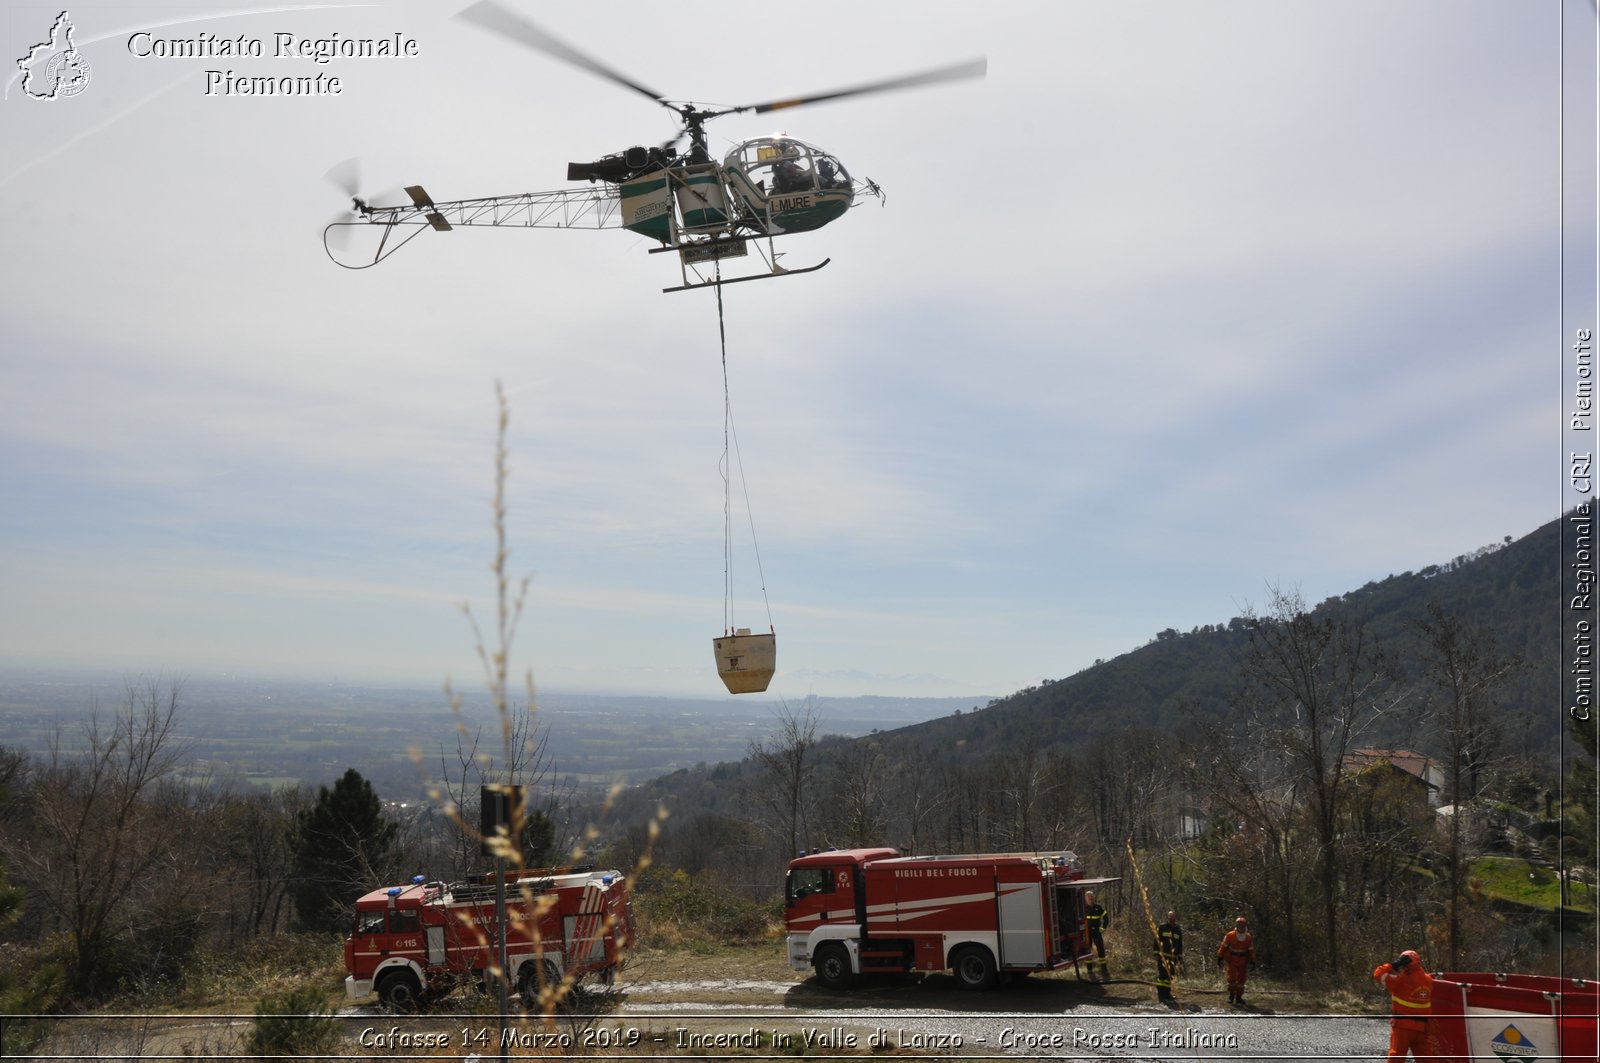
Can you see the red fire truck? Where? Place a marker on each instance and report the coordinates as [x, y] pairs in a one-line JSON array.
[[860, 911], [411, 942]]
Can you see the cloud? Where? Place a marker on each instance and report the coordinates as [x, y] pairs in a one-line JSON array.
[[1159, 309]]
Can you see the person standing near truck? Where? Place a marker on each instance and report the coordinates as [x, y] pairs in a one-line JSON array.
[[1169, 956], [1097, 920]]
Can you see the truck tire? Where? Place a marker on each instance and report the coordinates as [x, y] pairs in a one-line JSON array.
[[974, 967], [399, 991], [528, 982], [833, 966], [528, 987]]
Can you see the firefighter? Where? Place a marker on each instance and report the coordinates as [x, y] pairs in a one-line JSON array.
[[1098, 920], [1238, 953], [1169, 957], [1411, 996]]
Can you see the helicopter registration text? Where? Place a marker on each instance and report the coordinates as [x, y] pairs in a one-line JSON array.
[[782, 203]]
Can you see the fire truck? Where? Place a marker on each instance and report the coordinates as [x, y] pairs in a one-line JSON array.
[[414, 942], [984, 917]]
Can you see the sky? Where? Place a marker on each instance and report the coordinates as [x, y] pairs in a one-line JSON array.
[[1179, 303]]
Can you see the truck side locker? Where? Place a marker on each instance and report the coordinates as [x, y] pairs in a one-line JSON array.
[[1021, 924]]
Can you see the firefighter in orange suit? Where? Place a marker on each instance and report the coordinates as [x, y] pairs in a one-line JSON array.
[[1411, 995], [1238, 953]]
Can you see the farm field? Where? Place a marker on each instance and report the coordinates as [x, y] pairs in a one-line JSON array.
[[278, 733]]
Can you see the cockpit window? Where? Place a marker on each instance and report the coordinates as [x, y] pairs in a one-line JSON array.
[[831, 172], [804, 881], [791, 168], [780, 166]]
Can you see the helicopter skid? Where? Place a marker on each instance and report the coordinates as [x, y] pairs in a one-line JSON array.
[[777, 271]]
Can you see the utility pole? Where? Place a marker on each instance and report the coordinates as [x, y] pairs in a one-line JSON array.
[[500, 811]]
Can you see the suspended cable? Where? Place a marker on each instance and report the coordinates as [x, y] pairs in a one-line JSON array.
[[726, 469], [730, 447]]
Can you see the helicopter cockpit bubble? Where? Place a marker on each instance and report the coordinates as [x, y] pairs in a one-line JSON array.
[[785, 166], [795, 186]]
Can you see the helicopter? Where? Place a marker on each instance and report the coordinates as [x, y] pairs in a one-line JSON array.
[[705, 210]]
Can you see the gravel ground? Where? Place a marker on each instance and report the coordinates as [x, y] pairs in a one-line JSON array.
[[669, 1010], [1037, 1019], [1085, 1035]]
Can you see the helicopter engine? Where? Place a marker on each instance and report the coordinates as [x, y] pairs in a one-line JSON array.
[[621, 166]]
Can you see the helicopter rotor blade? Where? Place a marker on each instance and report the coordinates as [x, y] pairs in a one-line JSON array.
[[976, 68], [336, 231], [491, 16], [346, 176]]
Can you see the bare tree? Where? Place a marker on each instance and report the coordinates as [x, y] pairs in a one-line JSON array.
[[255, 859], [103, 851], [858, 782], [526, 763], [916, 799], [1315, 684], [1464, 668], [1022, 779], [1248, 860], [966, 807], [785, 758]]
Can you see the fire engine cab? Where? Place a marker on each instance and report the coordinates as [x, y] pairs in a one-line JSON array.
[[416, 941], [860, 911]]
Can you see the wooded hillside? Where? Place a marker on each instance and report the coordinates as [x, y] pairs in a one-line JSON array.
[[1227, 755]]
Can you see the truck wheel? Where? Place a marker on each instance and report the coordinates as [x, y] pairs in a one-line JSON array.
[[399, 991], [528, 987], [974, 967], [833, 966], [528, 983]]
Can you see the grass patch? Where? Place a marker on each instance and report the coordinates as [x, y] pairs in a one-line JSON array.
[[1531, 885], [697, 912], [225, 980]]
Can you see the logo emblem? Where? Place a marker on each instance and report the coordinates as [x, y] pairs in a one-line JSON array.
[[1512, 1044], [54, 68]]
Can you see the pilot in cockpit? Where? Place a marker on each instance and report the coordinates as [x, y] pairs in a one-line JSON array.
[[789, 175]]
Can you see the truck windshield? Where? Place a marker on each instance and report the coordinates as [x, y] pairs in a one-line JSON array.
[[804, 881]]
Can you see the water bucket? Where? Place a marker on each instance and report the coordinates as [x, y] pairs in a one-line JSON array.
[[745, 661]]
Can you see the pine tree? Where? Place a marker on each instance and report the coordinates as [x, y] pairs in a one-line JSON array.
[[339, 849]]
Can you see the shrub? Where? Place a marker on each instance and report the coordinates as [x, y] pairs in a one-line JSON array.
[[296, 1023], [676, 908]]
